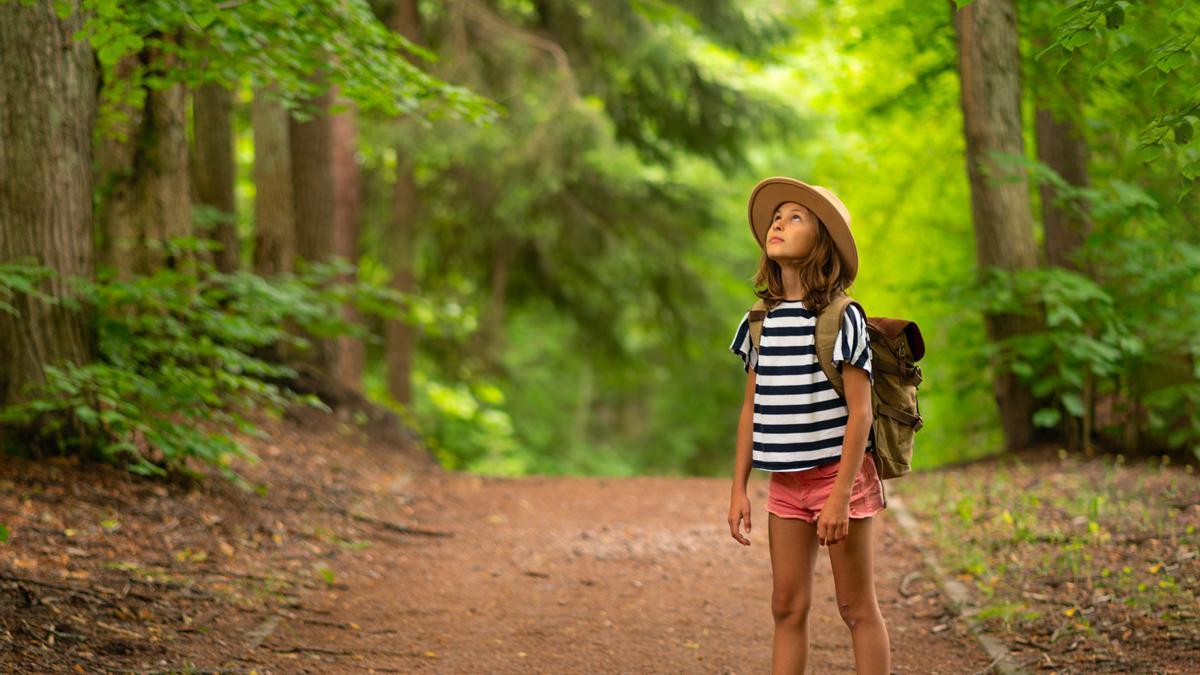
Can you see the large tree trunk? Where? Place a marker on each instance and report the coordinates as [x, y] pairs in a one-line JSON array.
[[146, 182], [313, 192], [401, 336], [214, 168], [347, 207], [989, 68], [274, 226], [47, 108]]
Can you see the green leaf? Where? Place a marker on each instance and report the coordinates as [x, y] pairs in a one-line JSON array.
[[1174, 60], [326, 574], [3, 534], [1046, 417], [205, 17], [1073, 404], [1114, 17], [1191, 169], [64, 8], [110, 53], [1183, 132], [1078, 39], [1149, 152]]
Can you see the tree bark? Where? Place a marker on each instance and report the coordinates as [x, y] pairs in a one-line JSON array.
[[215, 169], [274, 222], [146, 181], [401, 336], [989, 69], [347, 208], [313, 192], [1062, 147], [47, 109]]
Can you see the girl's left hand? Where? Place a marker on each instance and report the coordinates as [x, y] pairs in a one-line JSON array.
[[833, 523]]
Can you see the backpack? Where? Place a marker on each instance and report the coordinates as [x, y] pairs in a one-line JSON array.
[[896, 346]]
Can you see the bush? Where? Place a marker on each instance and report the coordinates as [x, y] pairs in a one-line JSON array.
[[179, 350]]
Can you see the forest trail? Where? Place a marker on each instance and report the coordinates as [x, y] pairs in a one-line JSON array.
[[534, 575], [629, 575]]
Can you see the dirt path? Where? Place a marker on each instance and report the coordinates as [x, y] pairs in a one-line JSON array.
[[107, 572], [562, 574]]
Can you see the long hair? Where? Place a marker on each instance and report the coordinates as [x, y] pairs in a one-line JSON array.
[[822, 273]]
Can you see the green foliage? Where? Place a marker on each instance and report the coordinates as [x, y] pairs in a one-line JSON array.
[[1141, 52], [1099, 337], [24, 276], [277, 43], [181, 357]]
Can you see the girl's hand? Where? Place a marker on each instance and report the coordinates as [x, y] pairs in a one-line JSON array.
[[833, 523], [739, 510]]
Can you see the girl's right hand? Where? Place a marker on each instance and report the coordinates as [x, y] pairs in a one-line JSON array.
[[739, 510]]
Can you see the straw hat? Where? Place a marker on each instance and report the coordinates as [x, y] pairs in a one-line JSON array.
[[771, 192]]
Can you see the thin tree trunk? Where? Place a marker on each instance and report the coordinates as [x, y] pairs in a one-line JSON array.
[[489, 340], [1062, 148], [47, 109], [347, 207], [274, 223], [214, 168], [313, 191], [989, 68], [401, 336]]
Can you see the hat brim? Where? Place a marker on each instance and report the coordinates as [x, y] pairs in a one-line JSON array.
[[771, 192]]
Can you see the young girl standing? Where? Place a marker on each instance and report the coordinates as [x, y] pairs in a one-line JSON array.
[[823, 488]]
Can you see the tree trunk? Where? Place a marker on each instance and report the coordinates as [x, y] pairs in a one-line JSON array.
[[489, 340], [47, 109], [313, 192], [989, 68], [274, 225], [347, 207], [146, 182], [214, 168], [401, 337], [1062, 147]]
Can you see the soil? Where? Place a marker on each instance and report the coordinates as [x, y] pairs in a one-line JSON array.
[[109, 572]]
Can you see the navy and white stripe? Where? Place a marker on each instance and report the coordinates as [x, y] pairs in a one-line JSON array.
[[799, 419]]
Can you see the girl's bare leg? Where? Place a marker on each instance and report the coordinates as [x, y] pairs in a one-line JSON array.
[[793, 544], [852, 560]]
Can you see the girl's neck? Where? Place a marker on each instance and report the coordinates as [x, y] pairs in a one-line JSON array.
[[793, 288]]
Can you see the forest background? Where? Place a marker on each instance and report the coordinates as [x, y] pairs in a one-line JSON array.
[[542, 208]]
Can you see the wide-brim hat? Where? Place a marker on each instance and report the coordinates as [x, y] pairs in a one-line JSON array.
[[771, 192]]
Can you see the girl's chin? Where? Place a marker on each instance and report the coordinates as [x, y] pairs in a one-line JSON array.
[[782, 257]]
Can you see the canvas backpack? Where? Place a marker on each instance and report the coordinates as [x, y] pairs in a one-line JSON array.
[[896, 346]]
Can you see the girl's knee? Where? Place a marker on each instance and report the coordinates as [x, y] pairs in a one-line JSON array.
[[790, 605], [858, 610]]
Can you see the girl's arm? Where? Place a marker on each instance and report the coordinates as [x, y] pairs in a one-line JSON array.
[[857, 386], [745, 437], [739, 503]]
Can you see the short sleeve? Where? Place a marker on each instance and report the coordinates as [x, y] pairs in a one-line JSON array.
[[742, 347], [853, 343]]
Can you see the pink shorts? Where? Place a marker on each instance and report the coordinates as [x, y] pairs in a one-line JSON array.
[[801, 494]]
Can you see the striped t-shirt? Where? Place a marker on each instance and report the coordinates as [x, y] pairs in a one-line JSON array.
[[799, 419]]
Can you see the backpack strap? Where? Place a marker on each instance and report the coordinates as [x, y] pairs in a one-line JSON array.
[[758, 312], [829, 321]]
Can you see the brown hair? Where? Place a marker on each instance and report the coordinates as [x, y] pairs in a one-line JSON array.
[[823, 275]]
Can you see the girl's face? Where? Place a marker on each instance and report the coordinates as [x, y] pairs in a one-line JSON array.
[[792, 233]]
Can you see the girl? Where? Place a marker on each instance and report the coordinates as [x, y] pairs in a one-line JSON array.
[[823, 488]]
